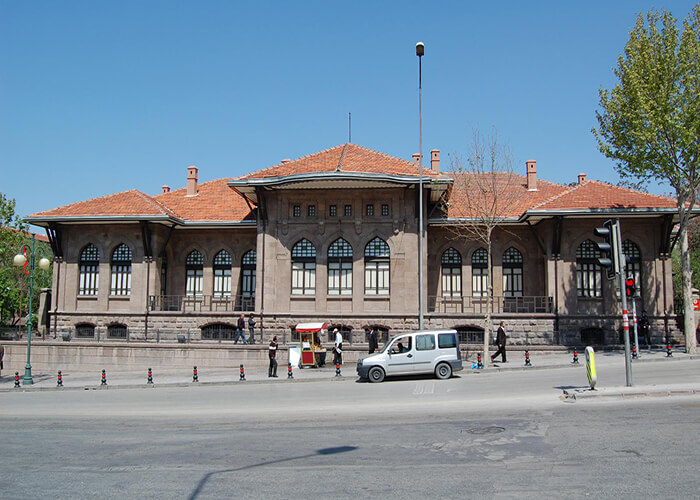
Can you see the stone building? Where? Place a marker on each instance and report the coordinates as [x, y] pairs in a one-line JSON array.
[[333, 237]]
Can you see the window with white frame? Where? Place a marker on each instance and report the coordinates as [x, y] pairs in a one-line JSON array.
[[89, 276], [588, 271], [248, 265], [194, 271], [480, 273], [512, 273], [121, 271], [304, 268], [451, 265], [634, 264], [377, 267], [340, 268], [222, 275]]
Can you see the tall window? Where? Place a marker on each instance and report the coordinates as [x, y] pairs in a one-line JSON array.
[[89, 280], [451, 273], [512, 273], [340, 268], [480, 273], [634, 263], [121, 271], [377, 267], [222, 274], [303, 268], [588, 272], [194, 269], [248, 264]]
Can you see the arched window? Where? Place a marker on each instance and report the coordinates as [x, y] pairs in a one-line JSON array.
[[121, 271], [634, 264], [194, 270], [117, 331], [222, 274], [218, 331], [480, 273], [512, 273], [248, 265], [340, 268], [89, 279], [377, 267], [451, 273], [85, 331], [588, 272], [304, 268]]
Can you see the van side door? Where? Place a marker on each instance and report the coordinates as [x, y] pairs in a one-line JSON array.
[[400, 355], [424, 359]]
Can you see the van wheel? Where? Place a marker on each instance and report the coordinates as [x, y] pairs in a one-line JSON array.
[[376, 374], [443, 371]]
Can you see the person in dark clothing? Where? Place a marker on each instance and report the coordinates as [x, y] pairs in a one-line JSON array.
[[272, 353], [501, 342], [373, 343], [240, 330], [644, 325], [251, 328]]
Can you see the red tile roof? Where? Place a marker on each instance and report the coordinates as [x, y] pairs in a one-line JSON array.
[[127, 203], [215, 201]]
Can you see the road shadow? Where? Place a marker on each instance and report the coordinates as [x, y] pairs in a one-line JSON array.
[[570, 387], [398, 378], [323, 451]]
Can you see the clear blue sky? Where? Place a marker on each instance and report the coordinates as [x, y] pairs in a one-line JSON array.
[[101, 97]]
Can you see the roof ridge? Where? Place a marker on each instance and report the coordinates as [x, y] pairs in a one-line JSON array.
[[253, 174], [623, 188], [342, 158], [567, 190], [386, 155], [164, 209]]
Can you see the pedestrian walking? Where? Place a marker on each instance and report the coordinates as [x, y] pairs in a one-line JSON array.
[[272, 353], [240, 330], [372, 338], [338, 348], [644, 325], [251, 328], [501, 336], [2, 357]]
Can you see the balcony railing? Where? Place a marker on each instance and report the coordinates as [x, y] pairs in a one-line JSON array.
[[201, 303], [480, 305]]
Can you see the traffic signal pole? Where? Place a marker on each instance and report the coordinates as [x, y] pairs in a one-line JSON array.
[[620, 262]]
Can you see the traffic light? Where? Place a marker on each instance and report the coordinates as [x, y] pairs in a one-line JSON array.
[[607, 248], [630, 289]]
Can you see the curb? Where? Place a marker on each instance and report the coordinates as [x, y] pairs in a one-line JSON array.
[[627, 393]]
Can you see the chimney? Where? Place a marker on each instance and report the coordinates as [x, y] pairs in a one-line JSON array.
[[435, 160], [531, 170], [416, 158], [192, 180], [286, 160], [581, 178], [166, 189]]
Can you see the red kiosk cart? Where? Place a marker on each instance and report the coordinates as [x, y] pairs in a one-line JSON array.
[[312, 353]]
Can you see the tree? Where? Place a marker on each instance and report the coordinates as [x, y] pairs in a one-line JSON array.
[[484, 193], [649, 123]]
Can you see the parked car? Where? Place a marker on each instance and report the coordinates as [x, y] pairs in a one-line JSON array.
[[424, 351]]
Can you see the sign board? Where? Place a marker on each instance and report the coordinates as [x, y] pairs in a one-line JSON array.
[[590, 367]]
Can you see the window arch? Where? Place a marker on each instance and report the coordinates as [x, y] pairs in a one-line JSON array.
[[634, 264], [218, 331], [121, 270], [588, 272], [117, 331], [377, 258], [480, 273], [512, 273], [340, 268], [89, 275], [194, 271], [303, 268], [222, 274], [451, 266], [85, 331], [248, 266]]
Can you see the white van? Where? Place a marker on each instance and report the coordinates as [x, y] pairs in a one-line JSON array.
[[425, 351]]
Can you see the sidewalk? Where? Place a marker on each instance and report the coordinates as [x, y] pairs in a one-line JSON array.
[[82, 380]]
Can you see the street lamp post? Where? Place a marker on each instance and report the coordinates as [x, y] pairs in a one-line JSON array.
[[20, 260], [420, 50]]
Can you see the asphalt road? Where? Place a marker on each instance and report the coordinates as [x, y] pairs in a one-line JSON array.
[[496, 435]]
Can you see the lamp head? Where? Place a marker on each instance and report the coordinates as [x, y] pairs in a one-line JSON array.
[[420, 49], [19, 260], [44, 263]]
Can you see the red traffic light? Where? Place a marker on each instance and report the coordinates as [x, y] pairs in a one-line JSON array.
[[629, 287]]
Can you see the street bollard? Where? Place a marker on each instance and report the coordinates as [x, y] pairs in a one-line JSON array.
[[575, 360], [337, 370], [634, 352], [150, 376], [479, 362], [104, 378], [527, 358], [289, 371], [16, 380], [242, 378], [195, 377], [59, 379], [669, 352]]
